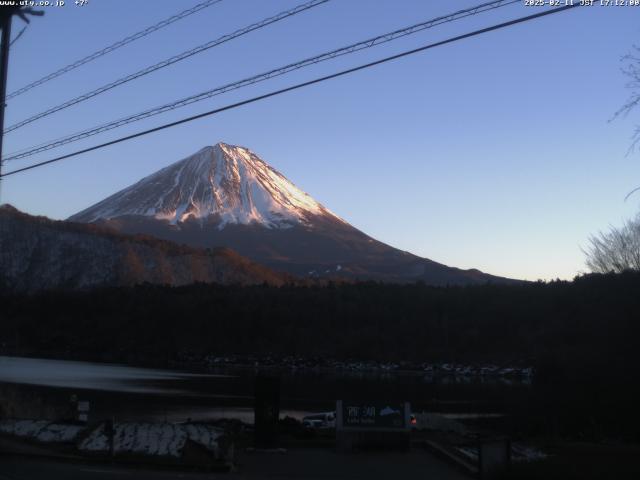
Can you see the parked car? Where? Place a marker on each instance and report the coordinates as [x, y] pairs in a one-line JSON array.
[[320, 420]]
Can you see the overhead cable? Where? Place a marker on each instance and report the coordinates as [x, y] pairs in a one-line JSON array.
[[169, 61], [114, 46], [509, 23], [369, 43]]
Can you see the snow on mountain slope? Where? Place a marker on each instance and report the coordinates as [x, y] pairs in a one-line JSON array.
[[224, 181], [226, 196]]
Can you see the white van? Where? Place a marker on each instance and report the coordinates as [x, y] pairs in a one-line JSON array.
[[320, 420]]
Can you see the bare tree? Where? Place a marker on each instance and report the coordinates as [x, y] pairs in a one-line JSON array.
[[616, 250], [631, 69]]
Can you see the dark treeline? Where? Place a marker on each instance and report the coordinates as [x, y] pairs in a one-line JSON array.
[[582, 336], [593, 320]]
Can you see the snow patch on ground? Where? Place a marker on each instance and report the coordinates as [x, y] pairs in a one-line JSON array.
[[97, 441], [154, 439], [41, 430], [526, 453], [519, 453]]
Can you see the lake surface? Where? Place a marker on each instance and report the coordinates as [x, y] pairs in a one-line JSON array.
[[93, 376], [142, 393]]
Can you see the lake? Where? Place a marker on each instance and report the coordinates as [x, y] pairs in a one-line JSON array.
[[128, 392]]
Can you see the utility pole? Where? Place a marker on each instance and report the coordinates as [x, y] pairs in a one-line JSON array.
[[6, 15]]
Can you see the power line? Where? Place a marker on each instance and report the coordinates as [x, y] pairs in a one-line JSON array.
[[115, 46], [369, 43], [298, 86], [170, 61], [18, 36]]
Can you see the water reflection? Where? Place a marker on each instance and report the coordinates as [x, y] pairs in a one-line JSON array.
[[141, 393], [93, 376]]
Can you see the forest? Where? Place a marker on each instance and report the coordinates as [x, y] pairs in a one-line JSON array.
[[591, 319], [581, 336]]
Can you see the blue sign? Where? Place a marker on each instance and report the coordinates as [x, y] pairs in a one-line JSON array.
[[373, 415]]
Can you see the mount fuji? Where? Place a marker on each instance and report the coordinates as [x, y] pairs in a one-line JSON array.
[[226, 196]]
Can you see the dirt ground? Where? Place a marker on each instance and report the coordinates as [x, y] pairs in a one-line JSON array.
[[311, 463], [320, 464]]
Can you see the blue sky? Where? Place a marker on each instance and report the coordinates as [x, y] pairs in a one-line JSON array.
[[495, 152]]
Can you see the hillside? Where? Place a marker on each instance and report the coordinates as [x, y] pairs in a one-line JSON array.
[[37, 253]]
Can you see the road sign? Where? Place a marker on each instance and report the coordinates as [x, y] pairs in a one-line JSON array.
[[372, 425], [381, 416]]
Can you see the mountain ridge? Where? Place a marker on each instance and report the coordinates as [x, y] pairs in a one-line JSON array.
[[225, 195], [37, 253], [222, 179]]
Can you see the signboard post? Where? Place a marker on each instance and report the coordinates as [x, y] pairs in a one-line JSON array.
[[381, 425], [83, 411], [267, 411], [494, 457]]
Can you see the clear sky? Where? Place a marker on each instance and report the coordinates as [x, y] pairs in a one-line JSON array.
[[495, 152]]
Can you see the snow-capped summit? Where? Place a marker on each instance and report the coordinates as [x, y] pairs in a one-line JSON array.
[[226, 182], [226, 196]]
